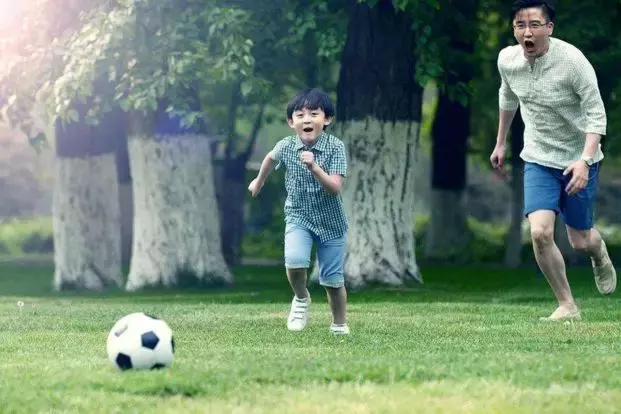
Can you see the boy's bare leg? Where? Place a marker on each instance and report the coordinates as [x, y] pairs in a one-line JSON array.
[[551, 262], [297, 280], [337, 299]]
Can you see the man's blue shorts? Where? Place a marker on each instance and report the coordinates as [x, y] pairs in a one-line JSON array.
[[544, 189]]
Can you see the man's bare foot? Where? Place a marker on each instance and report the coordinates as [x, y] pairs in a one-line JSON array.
[[563, 313]]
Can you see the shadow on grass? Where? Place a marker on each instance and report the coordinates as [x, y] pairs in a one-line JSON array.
[[268, 285]]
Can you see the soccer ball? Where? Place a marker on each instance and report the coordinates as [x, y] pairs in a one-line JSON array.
[[140, 341]]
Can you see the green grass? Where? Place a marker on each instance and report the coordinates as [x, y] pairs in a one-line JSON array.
[[469, 340]]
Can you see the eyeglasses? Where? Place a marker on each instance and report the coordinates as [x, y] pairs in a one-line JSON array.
[[521, 26]]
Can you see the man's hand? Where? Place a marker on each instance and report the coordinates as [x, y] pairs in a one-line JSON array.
[[307, 159], [255, 187], [579, 171], [498, 156]]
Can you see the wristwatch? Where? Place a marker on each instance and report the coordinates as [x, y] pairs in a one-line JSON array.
[[588, 160]]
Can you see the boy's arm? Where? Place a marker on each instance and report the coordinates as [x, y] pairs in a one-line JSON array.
[[332, 180], [333, 183], [267, 166]]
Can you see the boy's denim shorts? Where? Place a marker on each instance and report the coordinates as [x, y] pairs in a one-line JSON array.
[[544, 189], [330, 254]]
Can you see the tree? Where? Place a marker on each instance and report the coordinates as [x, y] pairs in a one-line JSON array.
[[379, 112], [513, 252], [448, 233], [87, 237], [155, 57], [87, 246]]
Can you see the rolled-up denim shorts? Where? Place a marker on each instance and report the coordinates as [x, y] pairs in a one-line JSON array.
[[544, 189], [330, 254]]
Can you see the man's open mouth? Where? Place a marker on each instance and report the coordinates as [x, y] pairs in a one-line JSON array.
[[529, 44]]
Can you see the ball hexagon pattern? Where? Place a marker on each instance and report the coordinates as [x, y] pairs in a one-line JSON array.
[[140, 341]]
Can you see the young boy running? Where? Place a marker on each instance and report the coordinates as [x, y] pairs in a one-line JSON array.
[[315, 164]]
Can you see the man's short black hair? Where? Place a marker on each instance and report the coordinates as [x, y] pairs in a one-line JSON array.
[[311, 98], [547, 8]]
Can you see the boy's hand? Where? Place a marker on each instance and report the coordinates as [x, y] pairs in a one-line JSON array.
[[307, 159], [255, 187]]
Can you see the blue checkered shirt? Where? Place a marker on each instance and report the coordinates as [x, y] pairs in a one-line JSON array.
[[308, 204]]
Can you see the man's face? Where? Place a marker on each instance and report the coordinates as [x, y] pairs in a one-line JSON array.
[[532, 31], [309, 123]]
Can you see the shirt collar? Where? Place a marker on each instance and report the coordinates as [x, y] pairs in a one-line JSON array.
[[320, 145]]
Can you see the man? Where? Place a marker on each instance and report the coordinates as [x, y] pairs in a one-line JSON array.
[[556, 88]]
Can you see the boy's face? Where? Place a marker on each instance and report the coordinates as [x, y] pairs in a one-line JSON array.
[[309, 123]]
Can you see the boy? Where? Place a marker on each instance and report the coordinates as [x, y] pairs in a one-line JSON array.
[[315, 164]]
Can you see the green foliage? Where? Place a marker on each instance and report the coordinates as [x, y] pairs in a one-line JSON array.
[[137, 54], [26, 235]]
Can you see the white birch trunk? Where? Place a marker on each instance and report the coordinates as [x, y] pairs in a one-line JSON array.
[[379, 203], [87, 236], [176, 225]]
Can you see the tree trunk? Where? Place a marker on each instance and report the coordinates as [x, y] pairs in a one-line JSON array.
[[379, 203], [231, 194], [448, 233], [125, 190], [87, 243], [176, 225], [231, 187], [513, 253], [379, 107], [86, 216]]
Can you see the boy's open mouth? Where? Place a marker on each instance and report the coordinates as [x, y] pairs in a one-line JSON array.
[[307, 129]]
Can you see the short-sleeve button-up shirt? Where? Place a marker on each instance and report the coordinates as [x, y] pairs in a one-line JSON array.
[[308, 203], [559, 100]]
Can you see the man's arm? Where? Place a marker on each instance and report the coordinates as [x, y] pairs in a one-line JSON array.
[[508, 103], [591, 103], [505, 118], [591, 145]]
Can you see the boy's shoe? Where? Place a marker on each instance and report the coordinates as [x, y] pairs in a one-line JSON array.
[[605, 274], [298, 315], [339, 329]]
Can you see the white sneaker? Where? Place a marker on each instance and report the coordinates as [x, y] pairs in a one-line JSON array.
[[298, 316], [339, 329]]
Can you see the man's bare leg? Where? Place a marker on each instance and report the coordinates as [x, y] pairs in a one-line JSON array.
[[590, 242], [551, 262]]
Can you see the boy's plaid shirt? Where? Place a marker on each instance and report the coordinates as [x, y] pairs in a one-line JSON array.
[[308, 203]]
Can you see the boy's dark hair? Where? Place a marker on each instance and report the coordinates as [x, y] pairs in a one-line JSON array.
[[311, 98], [547, 8]]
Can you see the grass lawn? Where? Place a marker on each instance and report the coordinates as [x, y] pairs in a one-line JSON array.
[[469, 340]]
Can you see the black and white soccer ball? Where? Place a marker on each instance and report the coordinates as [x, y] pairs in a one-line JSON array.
[[139, 341]]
